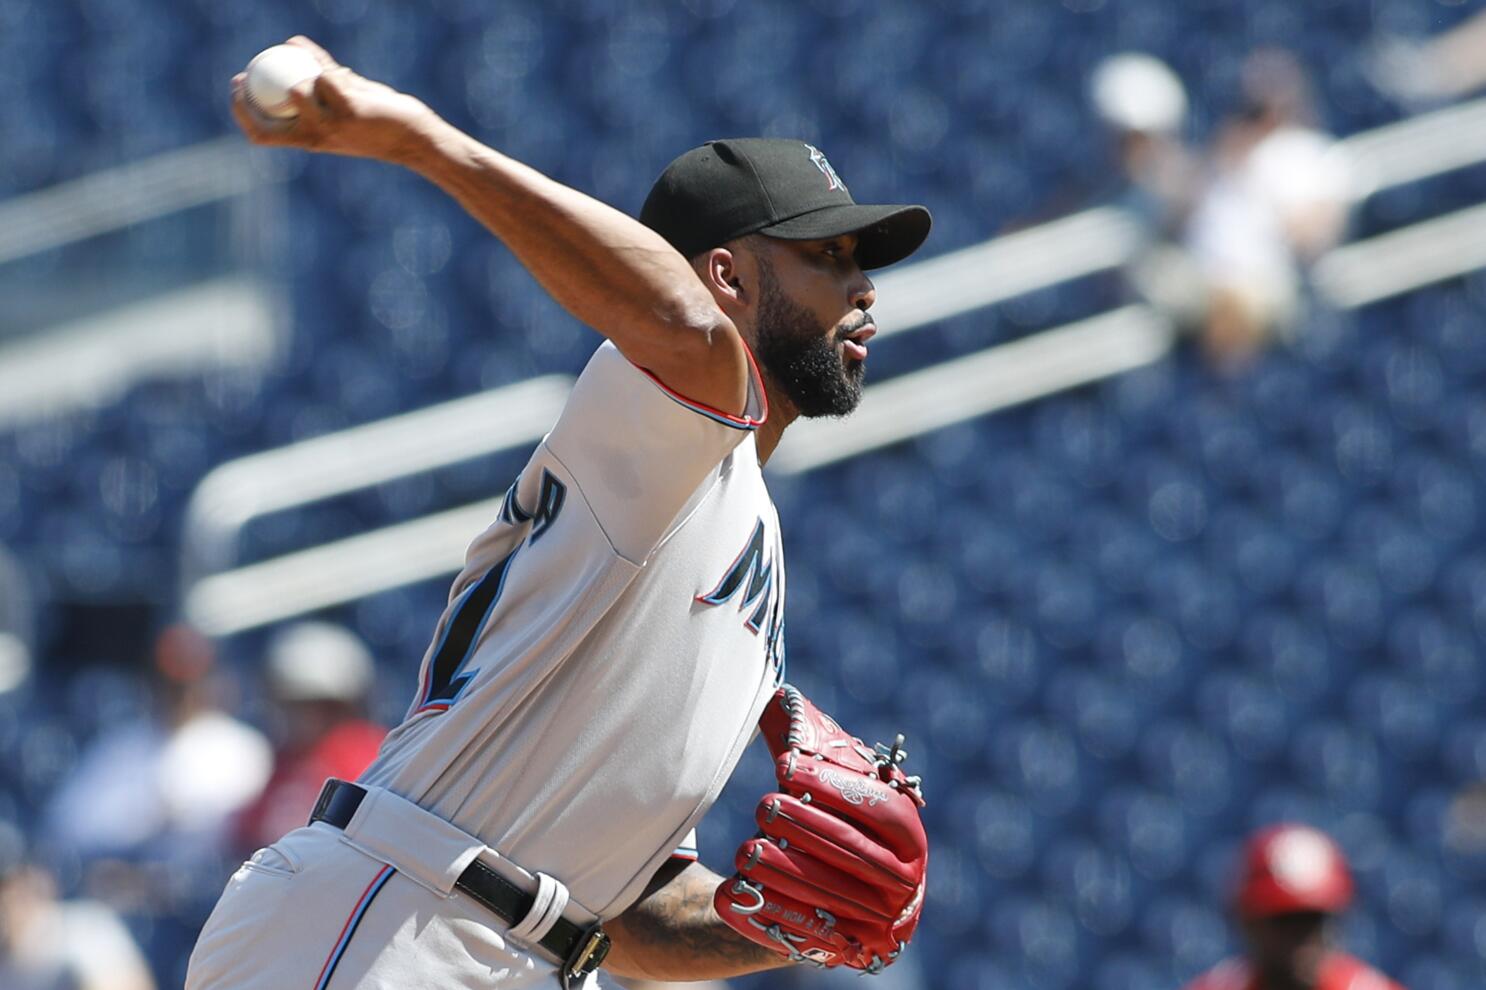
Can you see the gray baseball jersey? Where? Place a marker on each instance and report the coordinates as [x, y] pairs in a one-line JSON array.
[[610, 643]]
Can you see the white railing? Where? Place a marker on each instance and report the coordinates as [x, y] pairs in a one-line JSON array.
[[92, 361], [968, 387], [1403, 260], [235, 493], [123, 196], [343, 571], [1003, 268], [1418, 148], [917, 295], [233, 321]]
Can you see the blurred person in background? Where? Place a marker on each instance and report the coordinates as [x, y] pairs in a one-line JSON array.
[[164, 786], [319, 676], [1276, 198], [1143, 107], [150, 807], [1293, 884], [1420, 71], [51, 944]]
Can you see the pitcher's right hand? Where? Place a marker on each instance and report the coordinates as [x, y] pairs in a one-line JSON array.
[[342, 113]]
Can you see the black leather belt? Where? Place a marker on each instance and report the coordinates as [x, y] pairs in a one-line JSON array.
[[582, 950]]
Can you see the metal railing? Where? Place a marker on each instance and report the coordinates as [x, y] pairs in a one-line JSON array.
[[126, 195], [234, 320], [235, 493]]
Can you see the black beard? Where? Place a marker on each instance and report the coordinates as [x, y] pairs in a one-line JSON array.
[[803, 361]]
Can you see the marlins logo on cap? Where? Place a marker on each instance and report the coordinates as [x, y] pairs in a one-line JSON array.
[[824, 164]]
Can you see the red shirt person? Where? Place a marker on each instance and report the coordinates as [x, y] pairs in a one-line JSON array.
[[1293, 885], [319, 676]]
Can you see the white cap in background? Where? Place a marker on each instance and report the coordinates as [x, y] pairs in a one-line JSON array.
[[317, 661], [1135, 92]]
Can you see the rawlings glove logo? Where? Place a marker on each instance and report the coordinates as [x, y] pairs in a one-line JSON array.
[[853, 788]]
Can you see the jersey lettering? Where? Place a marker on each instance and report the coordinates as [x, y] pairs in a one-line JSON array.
[[444, 676], [550, 498], [753, 573], [748, 567]]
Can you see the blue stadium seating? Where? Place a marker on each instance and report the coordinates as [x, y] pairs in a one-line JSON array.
[[1122, 626]]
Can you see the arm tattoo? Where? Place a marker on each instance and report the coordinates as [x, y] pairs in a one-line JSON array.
[[676, 932]]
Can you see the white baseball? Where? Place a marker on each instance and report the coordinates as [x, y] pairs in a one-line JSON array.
[[272, 73]]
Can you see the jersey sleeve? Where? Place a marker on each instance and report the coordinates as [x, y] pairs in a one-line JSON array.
[[688, 849], [639, 450]]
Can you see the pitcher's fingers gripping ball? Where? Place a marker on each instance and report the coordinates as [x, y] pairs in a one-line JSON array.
[[835, 876], [296, 95], [272, 75]]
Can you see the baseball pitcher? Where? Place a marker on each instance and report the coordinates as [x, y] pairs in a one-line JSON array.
[[617, 634]]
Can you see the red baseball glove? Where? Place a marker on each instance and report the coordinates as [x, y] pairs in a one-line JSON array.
[[835, 876]]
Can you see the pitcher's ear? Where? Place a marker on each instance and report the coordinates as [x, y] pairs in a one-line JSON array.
[[719, 270]]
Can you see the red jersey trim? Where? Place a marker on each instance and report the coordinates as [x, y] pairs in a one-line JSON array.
[[713, 413]]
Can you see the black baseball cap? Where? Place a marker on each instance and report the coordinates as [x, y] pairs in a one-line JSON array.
[[781, 188]]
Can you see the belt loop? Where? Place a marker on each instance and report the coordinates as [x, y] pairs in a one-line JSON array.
[[550, 902]]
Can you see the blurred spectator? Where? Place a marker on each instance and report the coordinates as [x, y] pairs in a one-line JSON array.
[[1143, 105], [165, 785], [51, 944], [319, 675], [1276, 198], [1293, 883], [1417, 71]]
